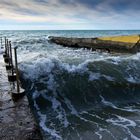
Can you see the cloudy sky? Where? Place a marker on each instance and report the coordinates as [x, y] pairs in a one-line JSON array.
[[69, 14]]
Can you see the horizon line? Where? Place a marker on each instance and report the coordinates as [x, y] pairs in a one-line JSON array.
[[70, 30]]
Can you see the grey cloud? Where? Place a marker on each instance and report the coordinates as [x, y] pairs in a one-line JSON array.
[[117, 5], [72, 11], [104, 6], [17, 7]]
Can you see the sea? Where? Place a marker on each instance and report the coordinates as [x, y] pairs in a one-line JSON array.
[[79, 94]]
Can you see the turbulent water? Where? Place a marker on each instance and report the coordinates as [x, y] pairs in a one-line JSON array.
[[77, 94]]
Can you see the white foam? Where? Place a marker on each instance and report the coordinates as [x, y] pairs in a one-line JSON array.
[[98, 133], [37, 68], [44, 66], [42, 124], [96, 76], [56, 105], [70, 106], [43, 119], [107, 103], [135, 57], [103, 129], [132, 79], [124, 123]]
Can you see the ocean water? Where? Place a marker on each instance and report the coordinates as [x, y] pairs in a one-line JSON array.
[[77, 94]]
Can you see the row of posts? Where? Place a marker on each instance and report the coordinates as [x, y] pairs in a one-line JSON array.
[[13, 73]]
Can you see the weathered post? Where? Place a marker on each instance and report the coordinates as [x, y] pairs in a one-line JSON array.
[[6, 58], [17, 94], [5, 54], [11, 57], [7, 42], [17, 72], [11, 75], [1, 43], [5, 46]]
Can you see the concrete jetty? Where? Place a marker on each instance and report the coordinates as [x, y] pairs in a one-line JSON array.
[[120, 44], [16, 119]]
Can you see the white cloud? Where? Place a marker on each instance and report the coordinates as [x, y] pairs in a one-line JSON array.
[[69, 15]]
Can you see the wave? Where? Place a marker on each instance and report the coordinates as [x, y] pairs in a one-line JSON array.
[[78, 94], [73, 100]]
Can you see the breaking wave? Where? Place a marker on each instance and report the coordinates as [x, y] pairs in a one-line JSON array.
[[65, 95]]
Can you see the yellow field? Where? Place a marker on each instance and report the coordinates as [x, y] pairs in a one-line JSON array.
[[128, 39]]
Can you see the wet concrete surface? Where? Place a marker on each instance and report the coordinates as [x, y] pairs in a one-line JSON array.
[[16, 119]]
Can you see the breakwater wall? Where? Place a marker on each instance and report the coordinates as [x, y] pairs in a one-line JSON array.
[[121, 44]]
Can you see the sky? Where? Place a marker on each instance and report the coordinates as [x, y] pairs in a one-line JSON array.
[[69, 14]]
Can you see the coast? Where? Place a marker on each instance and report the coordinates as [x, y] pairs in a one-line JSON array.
[[119, 44]]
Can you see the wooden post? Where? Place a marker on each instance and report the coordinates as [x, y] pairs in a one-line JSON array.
[[1, 43], [5, 45], [7, 42], [17, 73], [6, 55], [11, 57], [8, 51]]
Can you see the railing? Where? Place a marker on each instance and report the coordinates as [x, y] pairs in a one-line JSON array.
[[11, 67]]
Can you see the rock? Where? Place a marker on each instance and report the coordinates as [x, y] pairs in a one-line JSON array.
[[121, 44]]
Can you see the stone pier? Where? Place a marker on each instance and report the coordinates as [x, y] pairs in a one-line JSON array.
[[119, 44], [16, 119]]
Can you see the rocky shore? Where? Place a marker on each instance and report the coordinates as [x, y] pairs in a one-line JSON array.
[[120, 44]]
